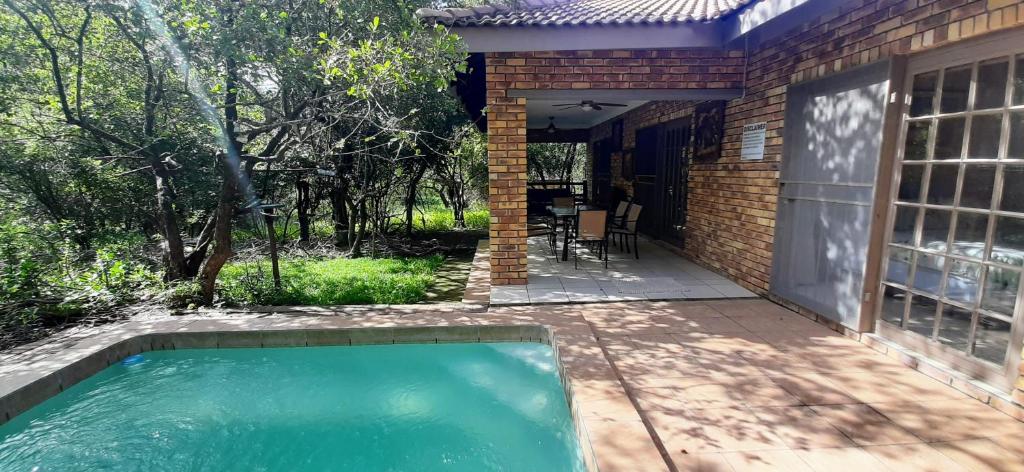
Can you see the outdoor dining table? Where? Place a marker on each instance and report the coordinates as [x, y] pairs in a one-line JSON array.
[[567, 216]]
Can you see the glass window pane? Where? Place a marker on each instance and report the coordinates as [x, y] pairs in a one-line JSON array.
[[942, 184], [1013, 189], [962, 283], [899, 265], [955, 86], [985, 132], [903, 225], [969, 239], [922, 315], [922, 101], [893, 302], [910, 183], [928, 273], [991, 91], [949, 139], [1015, 150], [955, 327], [991, 339], [1000, 290], [935, 230], [916, 145], [1018, 82], [979, 180], [1008, 241]]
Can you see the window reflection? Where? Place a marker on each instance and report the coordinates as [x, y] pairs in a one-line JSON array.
[[893, 302], [969, 239], [928, 272], [1018, 81], [935, 230], [955, 86], [910, 183], [991, 90], [922, 315], [942, 184], [1013, 189], [1015, 150], [979, 180], [949, 139], [962, 283], [985, 132], [923, 96], [1008, 241], [955, 327], [991, 340], [899, 265], [1000, 290], [916, 145]]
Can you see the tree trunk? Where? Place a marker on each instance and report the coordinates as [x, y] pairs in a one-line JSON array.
[[221, 237], [339, 216], [275, 269], [174, 248], [302, 188], [410, 196]]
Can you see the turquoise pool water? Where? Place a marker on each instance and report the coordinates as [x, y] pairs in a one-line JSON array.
[[438, 407]]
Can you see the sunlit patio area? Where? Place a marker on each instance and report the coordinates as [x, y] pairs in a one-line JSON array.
[[658, 274]]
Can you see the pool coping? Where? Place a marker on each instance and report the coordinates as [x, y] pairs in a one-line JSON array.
[[37, 378]]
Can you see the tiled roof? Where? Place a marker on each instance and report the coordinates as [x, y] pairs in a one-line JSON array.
[[586, 12]]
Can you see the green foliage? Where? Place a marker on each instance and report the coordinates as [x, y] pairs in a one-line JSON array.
[[438, 219], [331, 281]]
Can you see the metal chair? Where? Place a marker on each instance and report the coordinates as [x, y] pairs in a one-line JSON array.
[[618, 219], [546, 230], [628, 229], [591, 227]]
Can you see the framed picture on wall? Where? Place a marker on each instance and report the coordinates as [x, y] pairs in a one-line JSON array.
[[627, 165], [708, 129], [617, 135]]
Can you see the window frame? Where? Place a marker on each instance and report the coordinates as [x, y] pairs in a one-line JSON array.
[[973, 54]]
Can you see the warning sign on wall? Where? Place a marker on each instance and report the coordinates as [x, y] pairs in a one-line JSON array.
[[753, 141]]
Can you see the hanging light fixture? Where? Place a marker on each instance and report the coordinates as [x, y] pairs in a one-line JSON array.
[[551, 126]]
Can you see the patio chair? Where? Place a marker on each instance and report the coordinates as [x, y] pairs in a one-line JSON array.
[[619, 217], [629, 229], [591, 227], [546, 230]]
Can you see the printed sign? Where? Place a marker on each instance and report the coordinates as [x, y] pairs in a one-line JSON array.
[[753, 142]]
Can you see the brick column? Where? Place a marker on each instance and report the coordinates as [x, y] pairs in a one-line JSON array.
[[506, 162]]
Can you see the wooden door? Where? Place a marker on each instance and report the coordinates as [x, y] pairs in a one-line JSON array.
[[674, 157]]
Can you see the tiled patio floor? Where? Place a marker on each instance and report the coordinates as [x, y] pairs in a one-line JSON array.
[[658, 275], [746, 385]]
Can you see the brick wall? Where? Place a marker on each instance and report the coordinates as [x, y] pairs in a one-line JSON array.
[[506, 162]]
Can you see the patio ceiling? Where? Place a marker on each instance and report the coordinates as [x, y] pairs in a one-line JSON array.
[[539, 111]]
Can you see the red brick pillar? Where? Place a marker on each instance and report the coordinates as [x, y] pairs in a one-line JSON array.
[[506, 162]]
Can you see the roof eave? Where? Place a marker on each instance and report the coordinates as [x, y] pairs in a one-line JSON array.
[[584, 37]]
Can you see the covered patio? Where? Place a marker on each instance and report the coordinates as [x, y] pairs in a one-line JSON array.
[[659, 274]]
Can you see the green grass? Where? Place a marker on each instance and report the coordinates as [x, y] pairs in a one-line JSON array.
[[441, 219], [331, 281]]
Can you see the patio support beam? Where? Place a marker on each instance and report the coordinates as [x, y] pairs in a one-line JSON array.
[[506, 162]]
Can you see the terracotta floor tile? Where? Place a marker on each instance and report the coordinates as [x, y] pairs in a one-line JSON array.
[[981, 455], [864, 425], [648, 364], [844, 459], [950, 420], [767, 461], [813, 389], [624, 446], [584, 389], [713, 430], [913, 458], [617, 408], [710, 462], [661, 399], [801, 427], [1011, 443]]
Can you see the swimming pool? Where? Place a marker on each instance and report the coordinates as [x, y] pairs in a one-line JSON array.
[[413, 407]]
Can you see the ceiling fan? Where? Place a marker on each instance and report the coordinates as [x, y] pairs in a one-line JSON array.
[[588, 105]]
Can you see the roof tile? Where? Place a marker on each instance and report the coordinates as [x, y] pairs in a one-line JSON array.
[[587, 12]]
